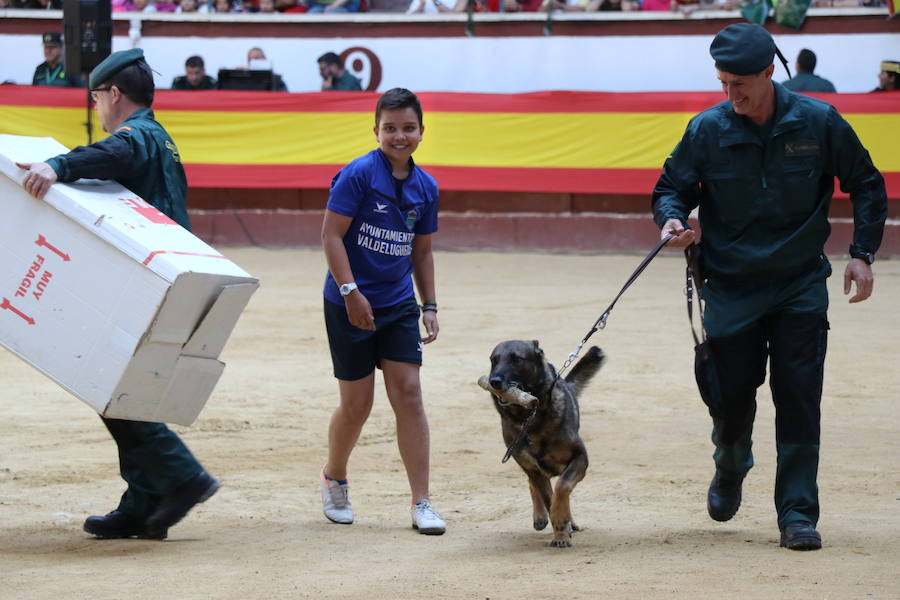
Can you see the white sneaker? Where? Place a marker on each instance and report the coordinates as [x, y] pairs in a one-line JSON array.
[[336, 500], [426, 519]]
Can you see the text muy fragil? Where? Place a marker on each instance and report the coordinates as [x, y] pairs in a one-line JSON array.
[[385, 241], [31, 278]]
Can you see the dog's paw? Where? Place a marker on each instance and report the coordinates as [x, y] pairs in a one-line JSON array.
[[574, 526], [540, 524], [561, 543]]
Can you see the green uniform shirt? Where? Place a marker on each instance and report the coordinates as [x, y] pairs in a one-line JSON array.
[[346, 82], [141, 156], [182, 83], [56, 76], [763, 203], [807, 82]]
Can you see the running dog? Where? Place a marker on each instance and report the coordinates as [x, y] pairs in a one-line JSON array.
[[552, 446]]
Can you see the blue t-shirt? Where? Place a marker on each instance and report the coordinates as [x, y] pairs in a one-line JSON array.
[[379, 241]]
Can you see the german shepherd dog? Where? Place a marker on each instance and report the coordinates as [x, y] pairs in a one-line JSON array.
[[552, 446]]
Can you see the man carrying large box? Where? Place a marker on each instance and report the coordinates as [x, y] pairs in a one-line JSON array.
[[164, 479]]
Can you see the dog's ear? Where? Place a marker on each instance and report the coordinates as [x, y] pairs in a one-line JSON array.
[[537, 348]]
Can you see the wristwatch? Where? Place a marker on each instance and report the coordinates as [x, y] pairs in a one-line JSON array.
[[868, 257], [347, 288]]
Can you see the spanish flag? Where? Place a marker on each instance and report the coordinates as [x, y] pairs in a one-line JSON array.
[[558, 142]]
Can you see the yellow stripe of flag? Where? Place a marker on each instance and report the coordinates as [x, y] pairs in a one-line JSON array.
[[558, 140]]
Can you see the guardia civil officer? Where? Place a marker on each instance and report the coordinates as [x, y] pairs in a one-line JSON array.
[[52, 71], [164, 479], [761, 167]]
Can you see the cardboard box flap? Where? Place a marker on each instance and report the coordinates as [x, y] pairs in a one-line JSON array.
[[181, 314], [209, 338]]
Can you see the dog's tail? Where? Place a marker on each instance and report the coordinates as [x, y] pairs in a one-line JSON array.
[[585, 369]]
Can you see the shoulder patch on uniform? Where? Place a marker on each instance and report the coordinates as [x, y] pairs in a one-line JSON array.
[[123, 128]]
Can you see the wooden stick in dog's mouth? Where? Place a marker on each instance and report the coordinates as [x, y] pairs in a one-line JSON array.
[[511, 395]]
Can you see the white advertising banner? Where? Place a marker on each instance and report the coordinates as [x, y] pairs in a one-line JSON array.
[[492, 64]]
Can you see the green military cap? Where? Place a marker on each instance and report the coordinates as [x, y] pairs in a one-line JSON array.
[[890, 66], [52, 38], [112, 64], [742, 49]]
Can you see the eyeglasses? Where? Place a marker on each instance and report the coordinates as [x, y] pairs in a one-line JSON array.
[[99, 89]]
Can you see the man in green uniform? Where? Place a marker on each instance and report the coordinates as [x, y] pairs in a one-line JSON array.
[[805, 80], [52, 71], [334, 77], [195, 77], [761, 167], [164, 479]]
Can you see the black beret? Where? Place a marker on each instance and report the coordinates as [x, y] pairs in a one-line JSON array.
[[53, 38], [742, 49], [112, 64]]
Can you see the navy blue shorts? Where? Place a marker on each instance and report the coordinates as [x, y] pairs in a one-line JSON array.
[[356, 352]]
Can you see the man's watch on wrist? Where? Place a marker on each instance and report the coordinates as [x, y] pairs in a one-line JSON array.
[[866, 257], [347, 288]]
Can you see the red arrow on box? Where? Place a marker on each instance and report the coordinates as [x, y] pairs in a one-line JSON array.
[[42, 241], [6, 305]]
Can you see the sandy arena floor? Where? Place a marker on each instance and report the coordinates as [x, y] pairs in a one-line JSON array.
[[647, 535]]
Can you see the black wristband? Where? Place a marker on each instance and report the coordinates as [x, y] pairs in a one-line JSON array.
[[429, 306]]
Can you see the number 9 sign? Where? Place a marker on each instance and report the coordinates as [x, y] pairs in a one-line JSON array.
[[364, 64]]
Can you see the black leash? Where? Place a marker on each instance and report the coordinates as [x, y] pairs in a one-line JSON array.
[[599, 324]]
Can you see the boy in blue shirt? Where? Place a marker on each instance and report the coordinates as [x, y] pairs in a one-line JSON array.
[[380, 215]]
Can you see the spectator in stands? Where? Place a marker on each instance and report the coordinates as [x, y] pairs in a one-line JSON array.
[[145, 6], [195, 77], [804, 80], [594, 5], [193, 6], [431, 7], [334, 77], [332, 6], [257, 54], [657, 5], [265, 6], [889, 77], [228, 6], [52, 71]]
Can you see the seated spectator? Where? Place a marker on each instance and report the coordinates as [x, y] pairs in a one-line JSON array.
[[804, 80], [594, 5], [656, 5], [256, 55], [332, 6], [192, 6], [195, 77], [144, 6], [228, 6], [508, 5], [265, 6], [889, 77], [431, 7], [334, 76]]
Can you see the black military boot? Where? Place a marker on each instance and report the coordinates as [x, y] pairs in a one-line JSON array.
[[800, 535], [724, 496], [174, 506], [120, 525]]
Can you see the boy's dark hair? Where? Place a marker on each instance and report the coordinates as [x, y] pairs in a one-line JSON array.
[[398, 98], [806, 61], [135, 82], [194, 62], [330, 58]]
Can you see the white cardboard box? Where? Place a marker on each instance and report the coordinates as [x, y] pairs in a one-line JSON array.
[[108, 297]]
